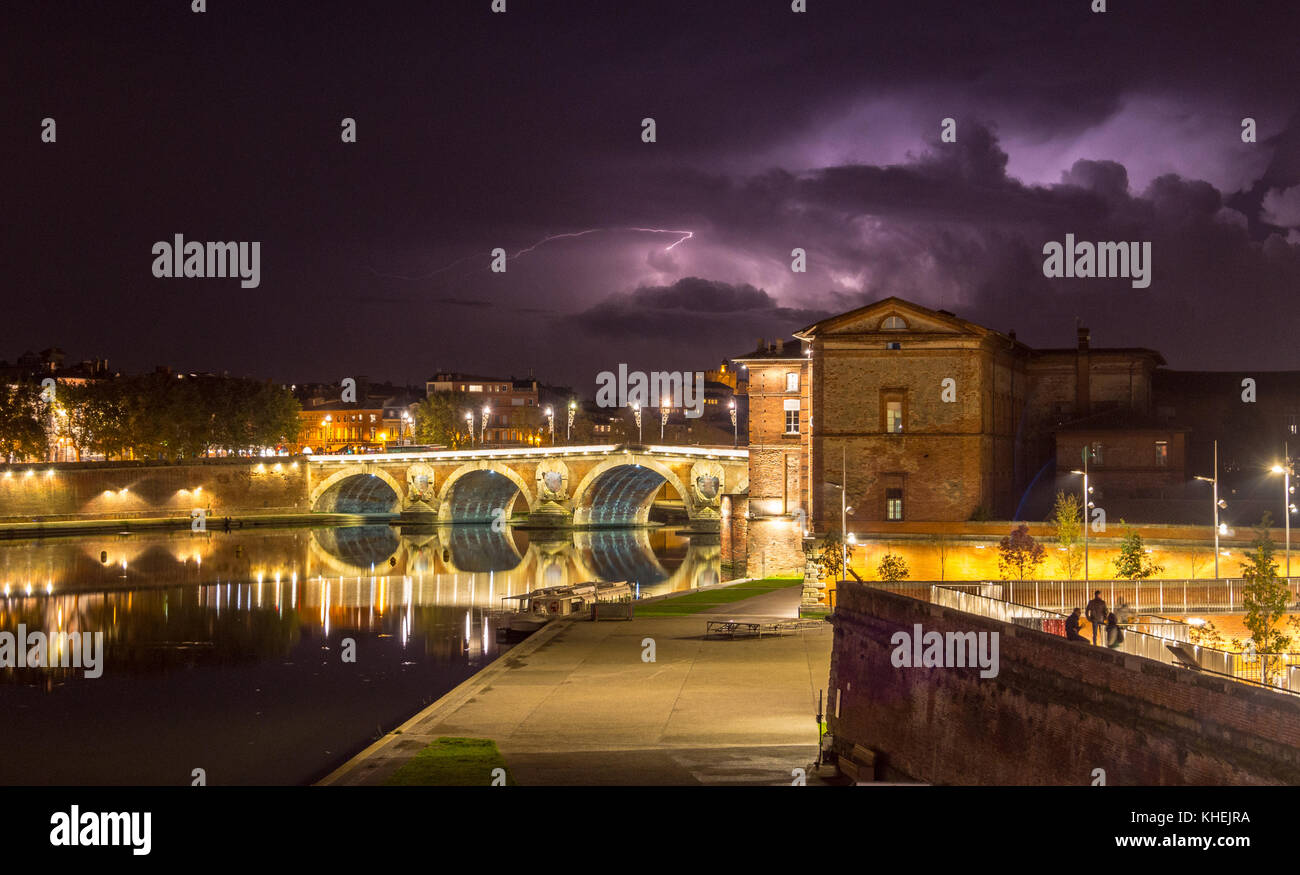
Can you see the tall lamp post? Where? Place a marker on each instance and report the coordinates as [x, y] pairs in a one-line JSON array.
[[1217, 505], [636, 413], [1087, 505], [735, 432], [573, 409], [664, 410], [469, 420], [845, 510], [1285, 469], [483, 425], [550, 419]]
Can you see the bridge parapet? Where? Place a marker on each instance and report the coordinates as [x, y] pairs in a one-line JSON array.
[[584, 486]]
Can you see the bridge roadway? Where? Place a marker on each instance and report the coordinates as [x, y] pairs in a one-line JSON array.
[[562, 486]]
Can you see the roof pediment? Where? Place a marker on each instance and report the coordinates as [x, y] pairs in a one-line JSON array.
[[891, 316]]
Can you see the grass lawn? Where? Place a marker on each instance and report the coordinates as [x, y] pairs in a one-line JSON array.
[[452, 762], [696, 602]]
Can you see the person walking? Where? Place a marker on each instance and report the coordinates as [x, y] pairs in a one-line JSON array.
[[1072, 627], [1096, 613]]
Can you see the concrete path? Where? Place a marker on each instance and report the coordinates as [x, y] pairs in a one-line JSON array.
[[576, 704]]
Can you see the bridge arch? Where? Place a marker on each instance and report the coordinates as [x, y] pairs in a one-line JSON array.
[[620, 490], [475, 492], [357, 489]]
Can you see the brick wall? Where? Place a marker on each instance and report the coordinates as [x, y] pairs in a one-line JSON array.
[[1056, 711], [54, 492]]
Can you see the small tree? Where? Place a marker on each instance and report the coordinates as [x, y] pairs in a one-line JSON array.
[[1067, 520], [1265, 598], [1133, 562], [892, 567], [942, 546], [1019, 554], [831, 556]]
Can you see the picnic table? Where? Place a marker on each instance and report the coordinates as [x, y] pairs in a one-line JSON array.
[[757, 628]]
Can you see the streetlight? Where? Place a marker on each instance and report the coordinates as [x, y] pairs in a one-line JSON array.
[[573, 409], [845, 510], [735, 433], [550, 418], [483, 425], [1087, 506], [664, 410], [1217, 504], [469, 421], [636, 413], [1285, 469]]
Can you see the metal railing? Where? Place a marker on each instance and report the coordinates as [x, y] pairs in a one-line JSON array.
[[1242, 667], [1160, 596]]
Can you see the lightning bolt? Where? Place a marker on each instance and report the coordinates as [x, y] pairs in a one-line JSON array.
[[682, 237]]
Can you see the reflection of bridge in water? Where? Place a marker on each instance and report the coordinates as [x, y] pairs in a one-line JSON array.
[[511, 561], [1222, 596]]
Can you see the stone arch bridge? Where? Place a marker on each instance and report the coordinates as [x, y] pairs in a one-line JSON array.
[[584, 487]]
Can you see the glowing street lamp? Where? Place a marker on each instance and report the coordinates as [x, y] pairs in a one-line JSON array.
[[636, 413], [483, 425], [573, 409], [735, 432], [1287, 506], [1087, 506], [664, 410], [550, 420], [469, 421], [1218, 504]]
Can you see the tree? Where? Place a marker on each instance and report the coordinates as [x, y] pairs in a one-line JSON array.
[[1067, 520], [892, 567], [23, 434], [942, 546], [1019, 554], [440, 419], [831, 556], [1133, 563], [1265, 598]]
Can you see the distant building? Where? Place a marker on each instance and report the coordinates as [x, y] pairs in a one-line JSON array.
[[512, 407], [926, 417]]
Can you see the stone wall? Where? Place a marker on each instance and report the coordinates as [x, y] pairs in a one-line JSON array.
[[130, 491], [1055, 712]]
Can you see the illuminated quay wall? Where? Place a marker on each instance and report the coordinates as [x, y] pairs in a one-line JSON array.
[[131, 491]]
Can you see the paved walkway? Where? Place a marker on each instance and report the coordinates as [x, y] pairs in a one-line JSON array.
[[576, 704]]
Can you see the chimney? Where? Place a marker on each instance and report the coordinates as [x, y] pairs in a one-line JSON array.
[[1082, 375]]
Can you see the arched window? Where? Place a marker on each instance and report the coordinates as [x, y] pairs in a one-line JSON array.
[[893, 323]]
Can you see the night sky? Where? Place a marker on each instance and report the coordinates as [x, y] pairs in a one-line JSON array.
[[775, 130]]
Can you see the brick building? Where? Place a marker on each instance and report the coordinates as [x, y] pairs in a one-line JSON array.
[[931, 418]]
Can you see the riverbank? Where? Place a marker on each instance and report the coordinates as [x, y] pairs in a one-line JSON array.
[[69, 527], [649, 701]]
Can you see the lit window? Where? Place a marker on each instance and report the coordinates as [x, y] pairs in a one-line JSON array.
[[792, 416], [893, 323], [894, 504], [792, 382], [894, 417], [1162, 454]]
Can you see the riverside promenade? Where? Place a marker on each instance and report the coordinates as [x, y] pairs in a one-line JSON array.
[[577, 705]]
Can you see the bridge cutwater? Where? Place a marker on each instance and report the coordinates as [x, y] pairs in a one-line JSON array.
[[583, 487]]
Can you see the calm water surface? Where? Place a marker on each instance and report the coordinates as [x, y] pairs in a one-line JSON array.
[[224, 651]]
